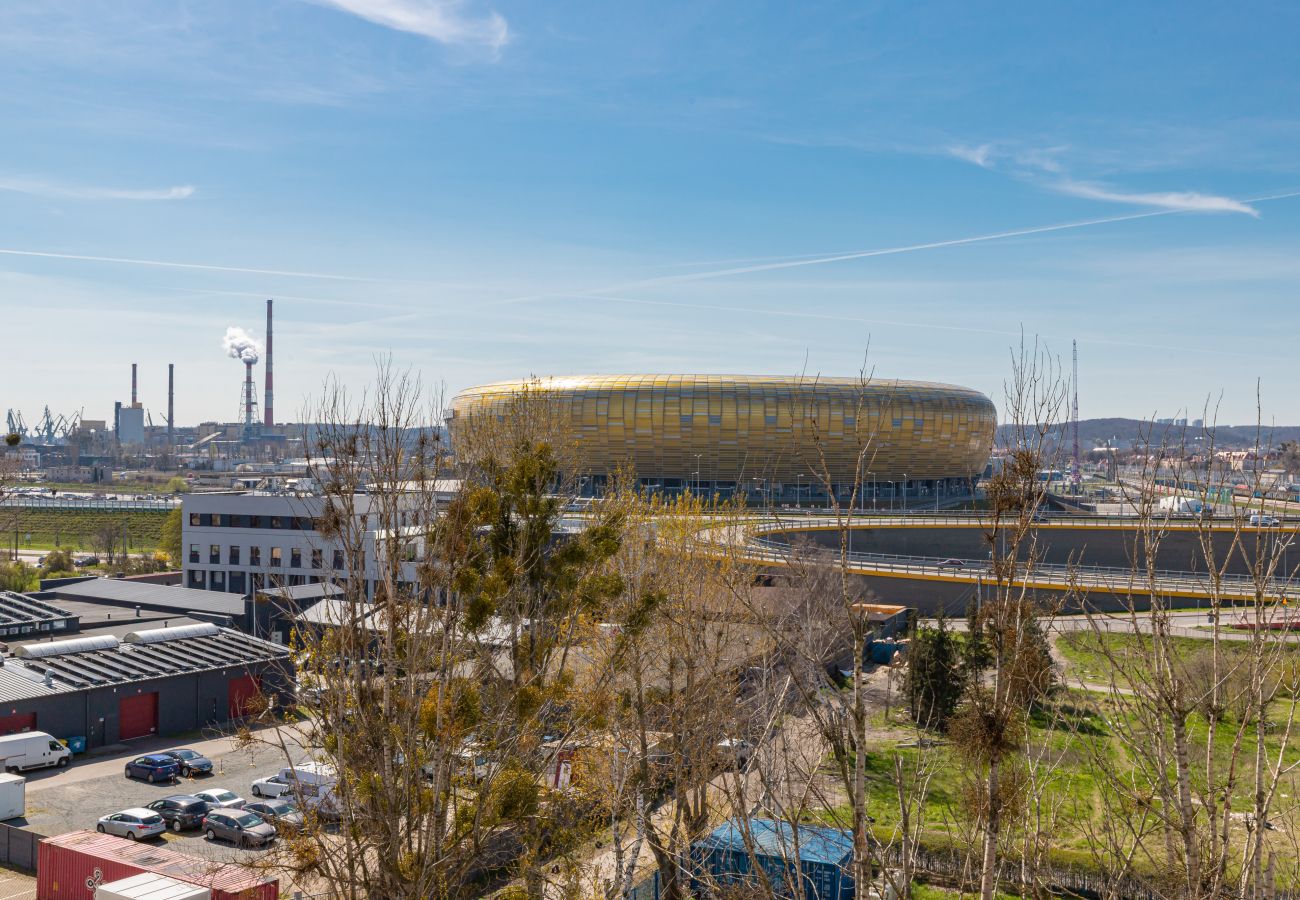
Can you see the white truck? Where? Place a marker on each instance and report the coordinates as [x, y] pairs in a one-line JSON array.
[[32, 750], [1180, 506]]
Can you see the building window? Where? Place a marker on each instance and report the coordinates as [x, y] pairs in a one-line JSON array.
[[338, 559], [234, 555], [295, 558], [316, 561], [196, 578], [254, 556], [769, 420], [255, 522], [194, 553], [194, 519], [277, 556], [214, 554], [217, 581], [686, 421]]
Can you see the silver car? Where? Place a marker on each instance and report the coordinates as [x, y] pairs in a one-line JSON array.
[[220, 798], [133, 824]]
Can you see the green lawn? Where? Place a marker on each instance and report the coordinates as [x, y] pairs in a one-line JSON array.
[[75, 528], [1089, 654]]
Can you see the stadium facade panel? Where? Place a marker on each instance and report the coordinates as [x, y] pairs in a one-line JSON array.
[[753, 432]]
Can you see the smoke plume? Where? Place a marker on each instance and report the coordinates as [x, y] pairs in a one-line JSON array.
[[240, 345]]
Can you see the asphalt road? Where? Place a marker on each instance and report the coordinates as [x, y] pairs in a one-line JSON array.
[[60, 800]]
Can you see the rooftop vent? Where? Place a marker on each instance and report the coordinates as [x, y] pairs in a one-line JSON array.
[[179, 633], [58, 648]]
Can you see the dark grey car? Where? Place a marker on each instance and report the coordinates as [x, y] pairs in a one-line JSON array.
[[240, 828], [280, 813], [180, 811], [191, 761]]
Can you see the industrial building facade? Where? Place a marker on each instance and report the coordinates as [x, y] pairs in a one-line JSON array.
[[151, 682], [765, 437]]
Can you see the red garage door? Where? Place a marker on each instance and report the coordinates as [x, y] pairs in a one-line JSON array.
[[243, 692], [137, 716], [16, 723]]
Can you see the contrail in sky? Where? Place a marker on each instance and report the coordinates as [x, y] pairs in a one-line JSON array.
[[781, 262], [179, 265], [792, 263]]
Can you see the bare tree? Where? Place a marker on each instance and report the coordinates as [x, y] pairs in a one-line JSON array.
[[1194, 710], [442, 671]]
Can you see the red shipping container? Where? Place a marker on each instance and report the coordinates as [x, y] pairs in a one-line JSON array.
[[70, 866]]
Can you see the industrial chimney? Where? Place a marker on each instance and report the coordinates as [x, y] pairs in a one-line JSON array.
[[268, 410], [250, 400], [171, 406], [135, 401]]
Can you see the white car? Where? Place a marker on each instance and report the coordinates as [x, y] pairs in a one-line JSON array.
[[220, 798], [133, 824], [1264, 520], [272, 786]]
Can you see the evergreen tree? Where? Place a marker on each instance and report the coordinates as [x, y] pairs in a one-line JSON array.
[[935, 677]]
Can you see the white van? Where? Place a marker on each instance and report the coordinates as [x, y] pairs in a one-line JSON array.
[[306, 779], [32, 750]]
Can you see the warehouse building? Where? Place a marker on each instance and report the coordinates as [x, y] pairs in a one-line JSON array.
[[153, 681], [137, 598], [23, 617]]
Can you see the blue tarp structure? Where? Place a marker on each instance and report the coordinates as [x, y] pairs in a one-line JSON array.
[[817, 858]]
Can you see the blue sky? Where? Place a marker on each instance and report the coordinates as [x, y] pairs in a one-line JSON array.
[[491, 189]]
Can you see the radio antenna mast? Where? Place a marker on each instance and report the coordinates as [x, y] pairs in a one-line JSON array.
[[1075, 475]]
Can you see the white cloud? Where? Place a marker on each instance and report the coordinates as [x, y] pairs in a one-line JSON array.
[[79, 192], [1183, 201], [980, 156], [440, 20]]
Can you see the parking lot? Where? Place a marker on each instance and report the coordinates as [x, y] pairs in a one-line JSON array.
[[60, 800]]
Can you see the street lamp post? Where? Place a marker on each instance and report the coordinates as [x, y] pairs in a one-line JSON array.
[[798, 491]]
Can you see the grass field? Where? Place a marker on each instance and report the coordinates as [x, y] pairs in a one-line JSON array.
[[75, 528], [1080, 730], [1088, 653]]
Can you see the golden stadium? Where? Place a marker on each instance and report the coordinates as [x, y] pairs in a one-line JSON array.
[[765, 436]]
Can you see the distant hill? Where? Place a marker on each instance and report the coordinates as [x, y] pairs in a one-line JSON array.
[[1126, 432]]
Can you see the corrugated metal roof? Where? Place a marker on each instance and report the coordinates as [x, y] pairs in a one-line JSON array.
[[18, 683], [220, 876], [335, 613], [18, 609], [816, 843], [130, 661], [300, 592], [116, 590]]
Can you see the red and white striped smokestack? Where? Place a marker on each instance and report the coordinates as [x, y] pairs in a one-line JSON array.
[[134, 402], [268, 409]]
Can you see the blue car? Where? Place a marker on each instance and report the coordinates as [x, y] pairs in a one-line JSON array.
[[153, 768]]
